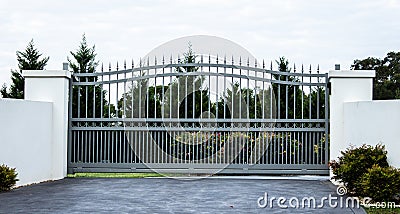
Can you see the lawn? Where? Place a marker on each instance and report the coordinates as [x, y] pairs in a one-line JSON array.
[[114, 175], [382, 210]]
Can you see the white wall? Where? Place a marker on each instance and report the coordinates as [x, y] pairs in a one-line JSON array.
[[346, 86], [373, 122], [53, 86], [26, 139]]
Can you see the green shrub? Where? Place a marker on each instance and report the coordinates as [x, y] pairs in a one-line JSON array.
[[8, 178], [355, 162], [382, 184]]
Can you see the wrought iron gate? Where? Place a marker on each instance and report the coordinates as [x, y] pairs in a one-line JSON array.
[[199, 114]]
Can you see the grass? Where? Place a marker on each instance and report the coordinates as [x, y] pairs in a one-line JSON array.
[[382, 210], [115, 175]]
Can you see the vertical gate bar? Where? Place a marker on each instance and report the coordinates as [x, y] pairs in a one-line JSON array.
[[326, 119], [271, 94], [156, 146], [310, 96], [92, 146], [193, 91], [302, 93], [155, 88], [122, 146], [79, 99], [102, 148], [294, 93], [318, 89], [247, 93], [240, 89], [163, 91], [147, 89], [140, 85], [86, 147], [132, 89], [108, 146], [186, 94], [171, 91], [201, 86], [279, 97], [209, 85], [224, 90], [113, 144], [94, 98], [216, 96], [137, 145], [116, 97], [101, 94], [109, 90], [286, 97], [263, 92], [185, 145], [198, 157], [290, 148]]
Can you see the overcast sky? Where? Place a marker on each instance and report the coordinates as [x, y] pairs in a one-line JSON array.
[[311, 32]]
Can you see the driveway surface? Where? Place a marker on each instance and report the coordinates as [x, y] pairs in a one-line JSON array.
[[166, 195]]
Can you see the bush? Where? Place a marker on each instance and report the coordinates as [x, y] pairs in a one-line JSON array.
[[355, 162], [382, 184], [8, 178]]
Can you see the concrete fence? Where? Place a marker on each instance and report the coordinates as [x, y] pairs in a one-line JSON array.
[[33, 132]]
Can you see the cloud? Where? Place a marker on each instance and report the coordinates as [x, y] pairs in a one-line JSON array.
[[313, 32]]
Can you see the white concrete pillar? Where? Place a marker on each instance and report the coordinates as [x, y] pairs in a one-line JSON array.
[[53, 86], [346, 86]]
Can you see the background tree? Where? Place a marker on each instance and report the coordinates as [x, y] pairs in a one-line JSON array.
[[387, 81], [29, 59], [89, 98]]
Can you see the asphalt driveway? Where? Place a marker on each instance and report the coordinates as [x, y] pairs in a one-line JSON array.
[[166, 195]]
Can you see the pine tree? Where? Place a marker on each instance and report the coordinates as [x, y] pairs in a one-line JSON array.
[[87, 97], [30, 59]]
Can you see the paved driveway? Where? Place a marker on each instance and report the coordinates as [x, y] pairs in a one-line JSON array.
[[165, 195]]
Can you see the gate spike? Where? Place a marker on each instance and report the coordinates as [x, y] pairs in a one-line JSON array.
[[302, 68], [140, 62], [109, 66], [125, 64], [133, 64], [170, 59], [225, 59], [271, 65], [263, 64], [318, 69], [233, 61], [255, 62], [155, 60], [294, 68], [240, 60], [102, 67], [217, 58], [179, 59], [310, 68], [163, 60], [248, 62], [148, 61], [117, 65], [209, 58]]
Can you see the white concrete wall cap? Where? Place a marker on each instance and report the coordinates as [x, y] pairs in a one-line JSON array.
[[351, 74], [46, 73]]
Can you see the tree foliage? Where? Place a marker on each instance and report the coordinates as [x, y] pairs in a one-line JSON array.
[[387, 80], [88, 100], [29, 59]]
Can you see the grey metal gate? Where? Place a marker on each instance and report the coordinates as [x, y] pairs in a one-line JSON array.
[[199, 114]]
